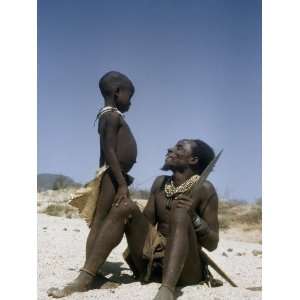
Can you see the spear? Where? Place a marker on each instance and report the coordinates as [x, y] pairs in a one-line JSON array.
[[211, 263], [205, 257]]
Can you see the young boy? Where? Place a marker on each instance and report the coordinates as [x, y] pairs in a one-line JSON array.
[[118, 152], [118, 149]]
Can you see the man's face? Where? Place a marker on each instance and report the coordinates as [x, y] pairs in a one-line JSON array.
[[180, 156], [124, 96]]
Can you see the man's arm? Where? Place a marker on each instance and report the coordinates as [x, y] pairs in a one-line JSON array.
[[108, 129], [208, 231], [204, 215]]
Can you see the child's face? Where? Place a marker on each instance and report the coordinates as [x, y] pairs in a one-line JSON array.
[[123, 99]]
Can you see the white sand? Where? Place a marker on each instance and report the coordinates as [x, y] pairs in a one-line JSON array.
[[61, 249]]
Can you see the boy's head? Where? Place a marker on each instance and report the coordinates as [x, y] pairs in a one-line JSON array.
[[117, 87]]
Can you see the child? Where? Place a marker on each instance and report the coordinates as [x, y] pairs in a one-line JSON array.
[[118, 153]]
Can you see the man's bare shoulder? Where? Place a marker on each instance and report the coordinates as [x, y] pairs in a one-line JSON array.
[[206, 190], [208, 187], [159, 183]]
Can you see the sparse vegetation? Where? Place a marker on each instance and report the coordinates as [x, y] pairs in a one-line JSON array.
[[232, 213], [55, 182], [60, 183], [235, 213], [139, 194], [224, 222], [60, 210]]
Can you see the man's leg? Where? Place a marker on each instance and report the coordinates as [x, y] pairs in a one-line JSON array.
[[110, 235], [106, 197], [136, 232], [182, 261]]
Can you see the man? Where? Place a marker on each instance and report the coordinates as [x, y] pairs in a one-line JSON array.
[[186, 218]]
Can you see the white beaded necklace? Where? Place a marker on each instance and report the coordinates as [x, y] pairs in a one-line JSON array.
[[171, 190]]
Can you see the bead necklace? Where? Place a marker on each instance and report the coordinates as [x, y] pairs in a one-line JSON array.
[[171, 190]]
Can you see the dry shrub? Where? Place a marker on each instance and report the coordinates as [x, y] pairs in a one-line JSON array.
[[224, 222], [54, 209], [253, 216], [234, 213], [139, 193], [60, 210]]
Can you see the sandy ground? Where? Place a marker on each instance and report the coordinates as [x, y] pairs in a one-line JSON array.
[[61, 248]]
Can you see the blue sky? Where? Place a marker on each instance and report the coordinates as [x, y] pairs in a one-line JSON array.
[[196, 66]]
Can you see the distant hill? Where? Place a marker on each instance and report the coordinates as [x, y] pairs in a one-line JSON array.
[[48, 181]]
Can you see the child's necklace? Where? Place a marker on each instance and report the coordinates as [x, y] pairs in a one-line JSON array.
[[109, 108], [106, 109]]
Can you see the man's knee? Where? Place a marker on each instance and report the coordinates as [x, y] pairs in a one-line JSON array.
[[125, 209], [179, 217]]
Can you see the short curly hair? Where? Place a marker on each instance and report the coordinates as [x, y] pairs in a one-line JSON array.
[[205, 155], [113, 80]]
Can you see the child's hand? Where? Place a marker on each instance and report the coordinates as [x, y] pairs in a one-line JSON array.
[[122, 194]]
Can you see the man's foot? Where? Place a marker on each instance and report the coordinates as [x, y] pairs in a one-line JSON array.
[[164, 293], [81, 284]]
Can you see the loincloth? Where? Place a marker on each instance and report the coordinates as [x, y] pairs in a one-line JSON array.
[[153, 253], [85, 199]]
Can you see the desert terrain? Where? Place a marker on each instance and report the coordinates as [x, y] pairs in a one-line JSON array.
[[61, 249]]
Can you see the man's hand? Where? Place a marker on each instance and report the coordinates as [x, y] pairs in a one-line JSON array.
[[183, 201], [198, 223], [122, 194]]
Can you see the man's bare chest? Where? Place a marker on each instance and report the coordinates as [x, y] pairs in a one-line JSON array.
[[165, 205]]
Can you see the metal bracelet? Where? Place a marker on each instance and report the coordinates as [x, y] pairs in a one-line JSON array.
[[197, 221]]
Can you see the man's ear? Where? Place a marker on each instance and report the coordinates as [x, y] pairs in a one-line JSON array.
[[193, 160], [117, 92]]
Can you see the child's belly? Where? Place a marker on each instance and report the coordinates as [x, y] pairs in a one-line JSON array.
[[126, 148]]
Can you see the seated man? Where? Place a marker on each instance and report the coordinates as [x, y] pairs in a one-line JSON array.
[[180, 217]]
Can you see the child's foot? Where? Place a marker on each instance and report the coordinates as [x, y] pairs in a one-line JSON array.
[[81, 284], [164, 293]]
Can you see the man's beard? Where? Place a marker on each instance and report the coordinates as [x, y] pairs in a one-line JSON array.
[[165, 167], [171, 168]]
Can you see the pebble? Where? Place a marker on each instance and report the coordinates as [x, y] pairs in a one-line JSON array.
[[77, 230], [225, 254], [229, 250]]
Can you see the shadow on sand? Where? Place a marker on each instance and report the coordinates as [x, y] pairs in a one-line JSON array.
[[113, 272]]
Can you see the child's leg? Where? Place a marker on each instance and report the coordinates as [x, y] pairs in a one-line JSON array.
[[104, 204]]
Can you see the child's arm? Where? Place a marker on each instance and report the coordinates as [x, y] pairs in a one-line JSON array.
[[108, 129]]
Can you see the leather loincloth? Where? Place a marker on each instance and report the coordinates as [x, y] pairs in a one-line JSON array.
[[153, 252], [85, 199]]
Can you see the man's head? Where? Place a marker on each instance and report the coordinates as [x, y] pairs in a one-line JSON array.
[[187, 153], [117, 87]]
